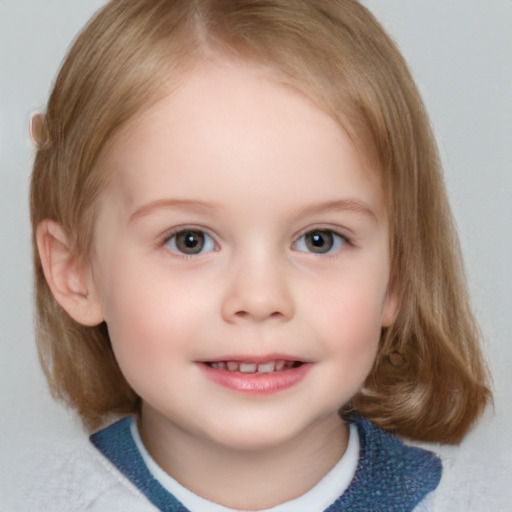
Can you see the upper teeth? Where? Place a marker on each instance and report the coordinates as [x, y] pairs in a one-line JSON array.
[[236, 366]]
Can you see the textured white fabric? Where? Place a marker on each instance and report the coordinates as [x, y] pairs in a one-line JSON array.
[[75, 477], [317, 499]]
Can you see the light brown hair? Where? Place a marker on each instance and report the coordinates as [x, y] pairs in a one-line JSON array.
[[429, 381]]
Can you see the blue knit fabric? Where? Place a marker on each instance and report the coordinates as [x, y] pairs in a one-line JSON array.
[[116, 443], [390, 477]]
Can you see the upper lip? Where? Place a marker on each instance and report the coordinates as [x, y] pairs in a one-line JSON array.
[[262, 359]]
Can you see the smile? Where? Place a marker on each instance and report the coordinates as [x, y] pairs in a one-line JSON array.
[[248, 367], [252, 377]]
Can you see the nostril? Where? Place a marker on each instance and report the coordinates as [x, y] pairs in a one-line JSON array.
[[257, 305], [246, 314]]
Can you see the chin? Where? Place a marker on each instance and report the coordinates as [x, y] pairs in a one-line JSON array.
[[256, 433]]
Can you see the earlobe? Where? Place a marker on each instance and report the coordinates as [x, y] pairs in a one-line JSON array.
[[391, 307], [69, 278]]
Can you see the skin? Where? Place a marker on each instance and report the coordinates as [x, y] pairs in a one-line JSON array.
[[255, 166]]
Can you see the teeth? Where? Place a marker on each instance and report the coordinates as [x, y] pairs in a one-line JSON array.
[[269, 367], [248, 367], [266, 367]]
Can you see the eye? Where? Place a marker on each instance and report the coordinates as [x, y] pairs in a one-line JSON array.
[[319, 241], [190, 242]]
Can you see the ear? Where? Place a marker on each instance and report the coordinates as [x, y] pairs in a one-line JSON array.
[[391, 306], [69, 278]]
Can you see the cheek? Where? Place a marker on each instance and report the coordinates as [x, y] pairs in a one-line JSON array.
[[349, 317], [354, 331], [147, 340], [352, 337], [140, 312], [152, 315], [352, 303]]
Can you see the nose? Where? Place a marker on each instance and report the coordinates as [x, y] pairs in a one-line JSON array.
[[258, 290]]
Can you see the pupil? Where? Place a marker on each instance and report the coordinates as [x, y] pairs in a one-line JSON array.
[[319, 241], [190, 242]]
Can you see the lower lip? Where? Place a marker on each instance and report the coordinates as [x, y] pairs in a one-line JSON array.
[[256, 383]]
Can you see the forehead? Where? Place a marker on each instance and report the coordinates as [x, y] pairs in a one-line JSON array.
[[226, 115]]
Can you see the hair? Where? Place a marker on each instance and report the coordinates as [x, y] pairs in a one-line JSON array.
[[429, 380]]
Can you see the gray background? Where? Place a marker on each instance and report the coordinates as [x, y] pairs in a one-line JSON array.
[[460, 52]]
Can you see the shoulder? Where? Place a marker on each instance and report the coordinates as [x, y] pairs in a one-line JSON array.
[[391, 476], [472, 477], [385, 454], [78, 478]]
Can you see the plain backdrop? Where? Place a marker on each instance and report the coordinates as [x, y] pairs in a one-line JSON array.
[[460, 52]]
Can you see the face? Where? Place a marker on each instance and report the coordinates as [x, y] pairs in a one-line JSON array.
[[241, 260]]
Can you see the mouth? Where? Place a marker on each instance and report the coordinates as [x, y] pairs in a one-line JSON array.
[[256, 377], [246, 367]]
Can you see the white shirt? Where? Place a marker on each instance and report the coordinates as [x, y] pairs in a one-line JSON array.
[[323, 494]]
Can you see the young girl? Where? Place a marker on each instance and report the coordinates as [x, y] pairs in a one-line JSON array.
[[243, 248]]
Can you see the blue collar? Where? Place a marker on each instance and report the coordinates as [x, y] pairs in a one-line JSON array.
[[390, 476]]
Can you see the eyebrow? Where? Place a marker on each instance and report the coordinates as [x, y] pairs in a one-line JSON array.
[[351, 205], [163, 204]]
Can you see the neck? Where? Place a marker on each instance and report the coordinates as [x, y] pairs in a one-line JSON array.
[[246, 478]]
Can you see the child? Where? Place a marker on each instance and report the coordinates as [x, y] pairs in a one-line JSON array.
[[243, 248]]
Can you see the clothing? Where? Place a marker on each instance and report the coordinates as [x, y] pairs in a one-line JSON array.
[[390, 476], [317, 499], [66, 473]]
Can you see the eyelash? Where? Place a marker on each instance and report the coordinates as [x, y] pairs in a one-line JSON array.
[[338, 240]]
